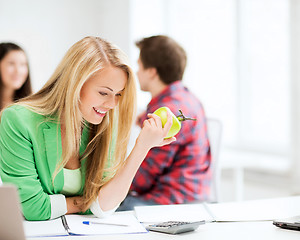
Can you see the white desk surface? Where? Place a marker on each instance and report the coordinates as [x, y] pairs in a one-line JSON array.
[[213, 231], [257, 230]]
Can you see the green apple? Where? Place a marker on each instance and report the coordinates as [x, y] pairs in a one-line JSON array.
[[176, 125]]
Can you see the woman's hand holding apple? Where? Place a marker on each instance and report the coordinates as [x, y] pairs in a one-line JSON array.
[[153, 133], [176, 126], [160, 128]]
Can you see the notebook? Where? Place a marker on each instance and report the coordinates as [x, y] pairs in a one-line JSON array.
[[76, 225], [11, 219]]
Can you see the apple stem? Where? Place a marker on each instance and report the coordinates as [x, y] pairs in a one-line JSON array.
[[182, 118]]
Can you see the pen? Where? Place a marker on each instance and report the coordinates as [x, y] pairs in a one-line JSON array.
[[103, 223]]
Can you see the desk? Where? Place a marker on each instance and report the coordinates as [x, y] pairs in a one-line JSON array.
[[239, 161], [211, 231]]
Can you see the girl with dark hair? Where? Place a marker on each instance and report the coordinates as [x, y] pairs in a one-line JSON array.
[[14, 74]]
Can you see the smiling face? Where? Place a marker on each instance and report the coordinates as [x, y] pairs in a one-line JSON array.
[[14, 69], [101, 93]]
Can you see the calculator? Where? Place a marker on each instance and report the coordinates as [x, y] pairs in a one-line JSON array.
[[174, 227]]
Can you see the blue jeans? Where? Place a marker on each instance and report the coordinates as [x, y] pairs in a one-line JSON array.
[[130, 202]]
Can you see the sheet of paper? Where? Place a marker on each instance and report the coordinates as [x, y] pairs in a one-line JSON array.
[[177, 212], [255, 210], [77, 227], [44, 228]]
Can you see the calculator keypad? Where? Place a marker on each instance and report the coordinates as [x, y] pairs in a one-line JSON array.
[[170, 224], [174, 227]]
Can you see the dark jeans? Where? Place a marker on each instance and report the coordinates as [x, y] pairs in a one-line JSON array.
[[130, 202]]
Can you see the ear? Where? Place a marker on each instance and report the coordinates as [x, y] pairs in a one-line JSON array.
[[152, 72]]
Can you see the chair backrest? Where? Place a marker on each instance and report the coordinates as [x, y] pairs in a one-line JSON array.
[[214, 131]]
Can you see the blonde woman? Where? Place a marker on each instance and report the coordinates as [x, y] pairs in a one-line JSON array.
[[65, 146]]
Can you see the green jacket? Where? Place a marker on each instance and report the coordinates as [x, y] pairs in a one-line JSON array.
[[30, 149]]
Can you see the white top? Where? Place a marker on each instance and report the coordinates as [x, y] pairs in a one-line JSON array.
[[73, 182], [72, 186]]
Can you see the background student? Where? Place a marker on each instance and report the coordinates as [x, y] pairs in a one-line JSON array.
[[179, 172], [14, 74], [65, 146]]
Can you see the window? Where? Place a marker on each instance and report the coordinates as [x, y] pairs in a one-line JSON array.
[[238, 63]]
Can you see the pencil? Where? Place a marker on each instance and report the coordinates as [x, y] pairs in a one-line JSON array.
[[104, 223]]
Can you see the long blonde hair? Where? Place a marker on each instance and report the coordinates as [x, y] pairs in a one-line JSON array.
[[60, 97]]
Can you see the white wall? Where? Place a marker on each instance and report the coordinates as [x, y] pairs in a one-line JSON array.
[[295, 90], [46, 29]]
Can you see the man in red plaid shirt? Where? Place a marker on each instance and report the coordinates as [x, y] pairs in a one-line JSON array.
[[178, 172]]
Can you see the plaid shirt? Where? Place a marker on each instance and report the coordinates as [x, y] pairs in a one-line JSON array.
[[178, 172]]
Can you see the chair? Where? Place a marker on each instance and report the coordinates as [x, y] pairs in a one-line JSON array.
[[214, 132]]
